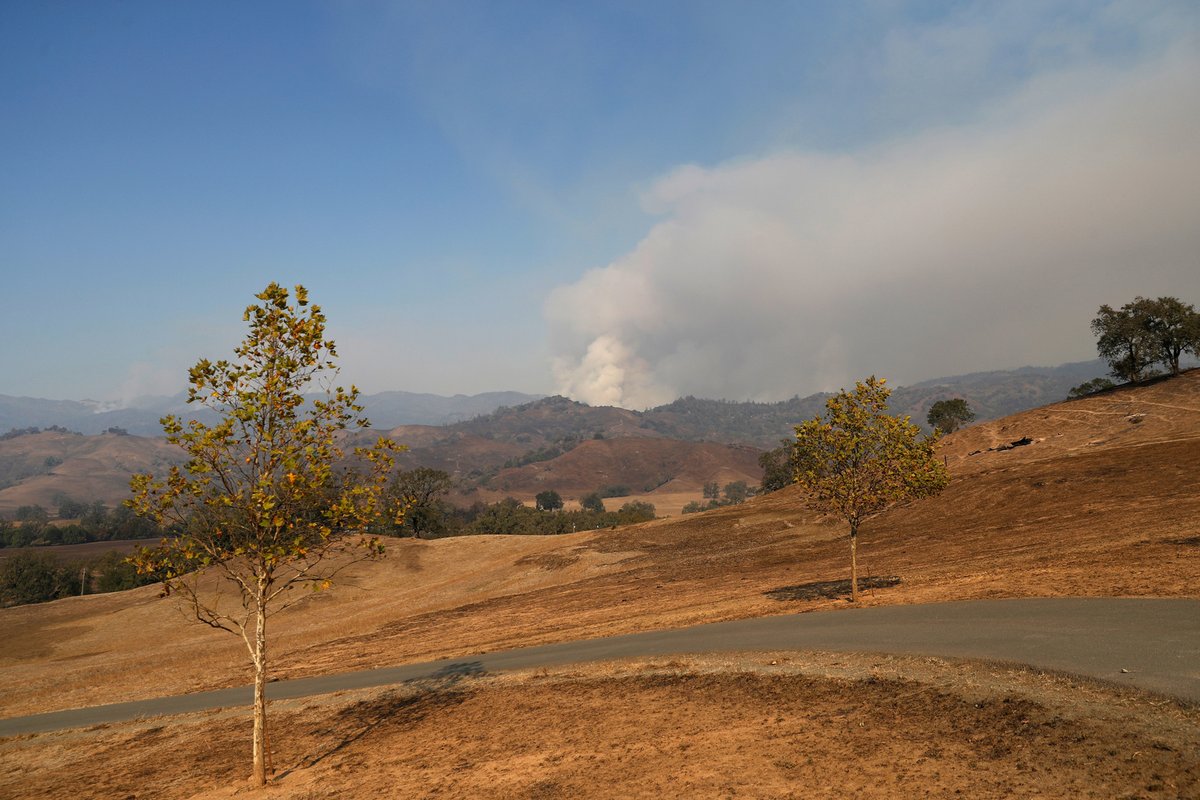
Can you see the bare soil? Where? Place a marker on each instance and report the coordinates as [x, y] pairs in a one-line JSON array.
[[1103, 501]]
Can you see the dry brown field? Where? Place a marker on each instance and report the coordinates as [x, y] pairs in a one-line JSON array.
[[1103, 501]]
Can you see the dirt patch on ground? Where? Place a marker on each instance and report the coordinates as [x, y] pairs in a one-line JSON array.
[[754, 725]]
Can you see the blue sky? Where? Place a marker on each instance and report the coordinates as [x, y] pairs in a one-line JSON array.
[[622, 201]]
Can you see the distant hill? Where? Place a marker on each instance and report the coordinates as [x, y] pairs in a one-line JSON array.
[[990, 394], [643, 466], [518, 449], [389, 409], [550, 420], [553, 419], [141, 416], [43, 468], [88, 416], [999, 393]]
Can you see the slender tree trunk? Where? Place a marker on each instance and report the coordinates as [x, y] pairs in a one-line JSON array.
[[854, 561], [259, 777]]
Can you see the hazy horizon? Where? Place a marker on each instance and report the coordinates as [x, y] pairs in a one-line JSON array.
[[132, 403]]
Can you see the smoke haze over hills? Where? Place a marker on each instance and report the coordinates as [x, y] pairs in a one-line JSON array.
[[989, 243]]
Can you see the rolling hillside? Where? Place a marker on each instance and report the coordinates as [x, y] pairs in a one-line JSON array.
[[1097, 504], [41, 468], [520, 450]]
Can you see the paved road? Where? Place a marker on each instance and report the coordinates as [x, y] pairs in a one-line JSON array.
[[1146, 643]]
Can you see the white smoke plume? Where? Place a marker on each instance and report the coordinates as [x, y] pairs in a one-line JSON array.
[[985, 246]]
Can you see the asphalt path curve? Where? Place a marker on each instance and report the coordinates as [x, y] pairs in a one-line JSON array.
[[1147, 643]]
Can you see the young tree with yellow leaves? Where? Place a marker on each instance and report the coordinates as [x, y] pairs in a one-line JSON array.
[[267, 503], [862, 460]]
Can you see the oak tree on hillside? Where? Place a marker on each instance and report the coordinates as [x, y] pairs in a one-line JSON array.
[[735, 493], [420, 491], [1175, 329], [548, 500], [777, 467], [1145, 332], [948, 415], [1123, 340], [266, 503], [35, 578], [592, 502], [861, 460]]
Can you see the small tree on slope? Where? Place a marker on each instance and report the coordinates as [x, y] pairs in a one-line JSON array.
[[266, 504], [949, 415], [861, 460]]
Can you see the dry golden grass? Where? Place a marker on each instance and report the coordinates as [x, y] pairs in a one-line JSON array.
[[770, 725]]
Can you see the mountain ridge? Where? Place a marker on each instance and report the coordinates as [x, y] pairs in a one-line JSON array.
[[523, 448], [393, 408]]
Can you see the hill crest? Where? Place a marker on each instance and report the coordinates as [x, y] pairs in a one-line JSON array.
[[520, 447]]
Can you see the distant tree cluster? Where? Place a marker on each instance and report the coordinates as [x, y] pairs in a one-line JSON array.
[[1090, 387], [512, 517], [547, 453], [699, 419], [93, 522], [13, 433], [1144, 334], [38, 577], [734, 493], [429, 516]]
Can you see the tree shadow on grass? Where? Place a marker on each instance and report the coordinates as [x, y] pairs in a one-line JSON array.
[[401, 708], [830, 590]]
